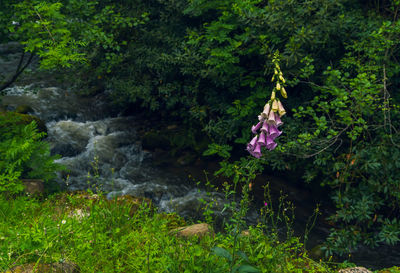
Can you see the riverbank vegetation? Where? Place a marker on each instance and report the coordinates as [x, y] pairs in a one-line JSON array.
[[208, 65], [127, 235]]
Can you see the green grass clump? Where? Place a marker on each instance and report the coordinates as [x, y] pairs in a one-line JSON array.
[[128, 235]]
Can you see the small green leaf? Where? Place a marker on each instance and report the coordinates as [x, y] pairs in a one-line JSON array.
[[221, 252]]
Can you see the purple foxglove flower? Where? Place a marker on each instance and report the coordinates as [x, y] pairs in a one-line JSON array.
[[265, 127], [261, 139], [255, 128], [260, 118], [253, 143], [270, 143], [272, 146], [273, 131], [271, 118], [278, 120], [257, 151], [267, 107], [266, 111]]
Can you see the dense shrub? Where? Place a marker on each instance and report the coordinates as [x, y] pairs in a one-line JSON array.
[[23, 154]]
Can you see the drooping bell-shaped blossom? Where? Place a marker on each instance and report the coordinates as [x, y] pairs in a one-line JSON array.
[[260, 118], [255, 128], [266, 111], [273, 131], [278, 120], [281, 110], [270, 144], [261, 139], [265, 127], [271, 118], [267, 107], [257, 151], [252, 143]]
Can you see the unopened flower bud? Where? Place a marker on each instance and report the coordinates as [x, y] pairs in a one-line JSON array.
[[281, 78], [275, 71], [273, 95], [283, 92], [275, 106], [278, 86]]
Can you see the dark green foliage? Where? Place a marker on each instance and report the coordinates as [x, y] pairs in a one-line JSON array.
[[23, 154]]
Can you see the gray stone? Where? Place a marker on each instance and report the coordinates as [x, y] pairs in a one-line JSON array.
[[358, 269]]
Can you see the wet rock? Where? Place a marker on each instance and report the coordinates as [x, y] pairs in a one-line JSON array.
[[65, 267], [358, 269], [187, 159], [33, 186], [198, 230]]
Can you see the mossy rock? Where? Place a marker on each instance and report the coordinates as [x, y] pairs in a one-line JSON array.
[[24, 109], [316, 252], [394, 269], [25, 120]]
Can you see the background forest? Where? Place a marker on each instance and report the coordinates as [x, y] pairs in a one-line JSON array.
[[208, 64]]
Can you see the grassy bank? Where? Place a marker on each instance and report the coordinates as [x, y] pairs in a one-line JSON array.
[[126, 235]]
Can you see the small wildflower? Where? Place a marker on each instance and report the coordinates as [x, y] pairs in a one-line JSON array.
[[265, 204], [63, 222]]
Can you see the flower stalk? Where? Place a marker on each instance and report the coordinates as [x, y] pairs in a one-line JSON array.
[[266, 130]]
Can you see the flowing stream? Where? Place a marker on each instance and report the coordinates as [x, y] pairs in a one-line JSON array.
[[103, 151]]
